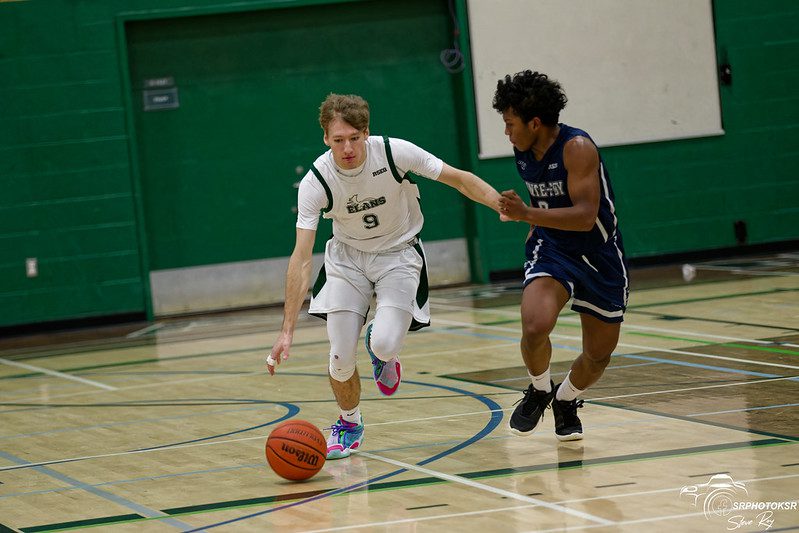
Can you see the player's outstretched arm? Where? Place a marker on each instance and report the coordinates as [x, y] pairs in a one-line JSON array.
[[298, 279], [470, 186]]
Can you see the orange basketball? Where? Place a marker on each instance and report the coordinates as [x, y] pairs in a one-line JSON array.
[[296, 450]]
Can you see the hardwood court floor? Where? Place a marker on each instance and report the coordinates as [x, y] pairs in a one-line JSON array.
[[161, 427]]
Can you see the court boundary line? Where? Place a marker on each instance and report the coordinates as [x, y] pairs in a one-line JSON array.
[[625, 325], [463, 324], [627, 345], [243, 374], [56, 373]]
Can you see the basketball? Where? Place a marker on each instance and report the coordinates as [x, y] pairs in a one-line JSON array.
[[296, 450]]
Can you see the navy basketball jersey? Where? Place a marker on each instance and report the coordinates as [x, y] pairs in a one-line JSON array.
[[547, 183]]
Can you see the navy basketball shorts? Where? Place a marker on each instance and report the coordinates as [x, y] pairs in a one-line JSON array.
[[597, 282]]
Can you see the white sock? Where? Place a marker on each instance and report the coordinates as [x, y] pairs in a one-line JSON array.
[[542, 382], [352, 415], [567, 392]]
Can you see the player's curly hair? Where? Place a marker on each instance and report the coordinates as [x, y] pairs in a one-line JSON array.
[[531, 94], [353, 109]]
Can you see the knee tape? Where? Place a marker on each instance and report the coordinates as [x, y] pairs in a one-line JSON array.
[[341, 368]]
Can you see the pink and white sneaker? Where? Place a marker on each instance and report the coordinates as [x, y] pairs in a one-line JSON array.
[[344, 438]]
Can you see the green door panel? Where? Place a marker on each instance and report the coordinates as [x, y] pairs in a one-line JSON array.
[[217, 172]]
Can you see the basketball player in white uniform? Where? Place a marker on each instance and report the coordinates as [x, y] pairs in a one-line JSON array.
[[361, 183]]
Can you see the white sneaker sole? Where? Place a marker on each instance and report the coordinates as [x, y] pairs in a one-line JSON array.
[[521, 433]]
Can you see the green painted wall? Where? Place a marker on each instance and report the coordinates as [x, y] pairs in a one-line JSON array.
[[64, 167], [101, 193], [75, 168]]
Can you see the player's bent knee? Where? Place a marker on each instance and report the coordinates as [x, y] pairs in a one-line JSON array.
[[340, 369], [384, 347], [598, 360], [537, 328]]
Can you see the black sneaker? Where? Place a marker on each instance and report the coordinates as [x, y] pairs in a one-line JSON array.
[[530, 410], [567, 423]]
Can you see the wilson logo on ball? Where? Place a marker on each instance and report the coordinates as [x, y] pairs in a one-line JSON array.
[[302, 456]]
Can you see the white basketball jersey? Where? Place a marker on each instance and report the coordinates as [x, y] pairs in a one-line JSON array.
[[376, 207]]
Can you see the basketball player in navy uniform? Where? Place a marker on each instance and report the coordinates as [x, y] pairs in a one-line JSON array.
[[361, 183], [574, 249]]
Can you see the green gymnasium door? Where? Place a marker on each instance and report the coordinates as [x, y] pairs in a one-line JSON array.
[[217, 171]]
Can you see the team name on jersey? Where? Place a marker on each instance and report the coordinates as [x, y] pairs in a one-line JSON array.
[[546, 190], [354, 205], [378, 172]]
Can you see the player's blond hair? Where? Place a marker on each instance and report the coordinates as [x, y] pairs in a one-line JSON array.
[[351, 108]]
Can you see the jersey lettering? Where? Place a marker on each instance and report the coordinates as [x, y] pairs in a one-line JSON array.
[[354, 205]]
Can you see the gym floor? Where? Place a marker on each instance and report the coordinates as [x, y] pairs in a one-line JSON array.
[[161, 426]]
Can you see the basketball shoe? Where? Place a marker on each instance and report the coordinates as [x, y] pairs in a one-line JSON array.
[[387, 374], [567, 423], [344, 437], [530, 410]]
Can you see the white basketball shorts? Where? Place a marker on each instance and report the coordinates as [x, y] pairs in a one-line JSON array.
[[350, 277]]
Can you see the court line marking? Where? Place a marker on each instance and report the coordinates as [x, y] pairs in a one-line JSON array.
[[598, 399], [104, 494], [627, 325], [761, 408], [739, 270], [624, 522], [521, 507], [127, 452], [261, 406], [245, 374], [687, 389], [471, 513], [489, 488], [133, 421], [465, 324], [144, 331], [415, 355], [228, 441], [625, 345], [648, 419], [117, 482], [252, 373], [256, 437], [187, 445], [712, 368], [615, 367], [490, 426], [57, 374]]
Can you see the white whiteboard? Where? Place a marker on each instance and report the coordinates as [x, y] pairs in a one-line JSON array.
[[634, 71]]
